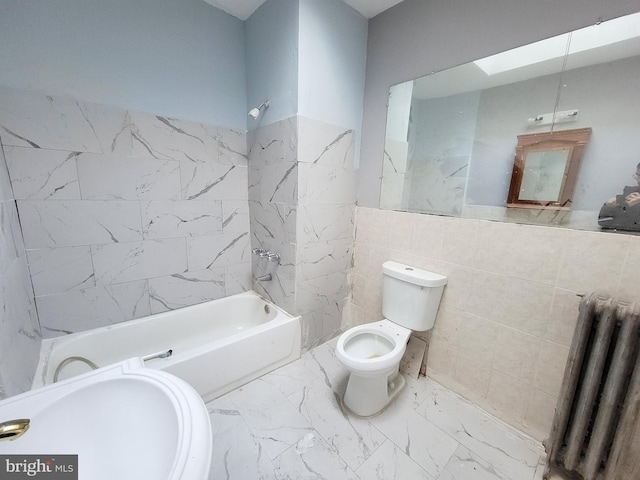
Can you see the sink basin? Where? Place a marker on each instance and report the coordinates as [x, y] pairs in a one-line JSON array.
[[123, 421]]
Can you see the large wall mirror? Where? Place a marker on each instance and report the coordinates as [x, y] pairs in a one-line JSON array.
[[452, 137]]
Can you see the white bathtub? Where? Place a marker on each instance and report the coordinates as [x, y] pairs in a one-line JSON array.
[[216, 346]]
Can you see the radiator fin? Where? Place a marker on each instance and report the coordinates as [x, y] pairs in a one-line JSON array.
[[599, 399]]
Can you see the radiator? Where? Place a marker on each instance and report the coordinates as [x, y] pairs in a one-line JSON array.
[[599, 401]]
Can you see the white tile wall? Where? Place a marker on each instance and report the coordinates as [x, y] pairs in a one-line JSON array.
[[114, 177], [68, 223], [235, 216], [232, 147], [162, 137], [322, 222], [98, 306], [218, 251], [327, 193], [302, 195], [507, 316], [394, 167], [19, 328], [58, 270], [62, 123], [124, 262], [273, 184], [124, 214], [171, 291], [183, 218], [43, 174]]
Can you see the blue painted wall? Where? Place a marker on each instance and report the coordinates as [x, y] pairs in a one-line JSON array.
[[271, 36], [189, 60], [333, 50], [308, 58], [179, 58]]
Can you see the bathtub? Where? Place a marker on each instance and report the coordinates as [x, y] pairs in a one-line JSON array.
[[215, 346]]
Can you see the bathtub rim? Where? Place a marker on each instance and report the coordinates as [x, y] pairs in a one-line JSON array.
[[45, 369]]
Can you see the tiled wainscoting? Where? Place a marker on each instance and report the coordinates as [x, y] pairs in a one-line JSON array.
[[124, 214], [19, 328], [507, 316], [302, 189]]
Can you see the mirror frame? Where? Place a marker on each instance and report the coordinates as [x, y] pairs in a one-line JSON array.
[[574, 141]]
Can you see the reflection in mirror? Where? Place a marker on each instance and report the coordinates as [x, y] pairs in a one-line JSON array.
[[452, 136], [542, 175], [545, 169]]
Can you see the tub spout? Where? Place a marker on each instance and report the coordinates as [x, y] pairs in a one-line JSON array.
[[13, 429], [264, 278]]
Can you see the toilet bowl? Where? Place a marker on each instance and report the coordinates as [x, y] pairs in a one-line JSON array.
[[372, 352], [374, 348]]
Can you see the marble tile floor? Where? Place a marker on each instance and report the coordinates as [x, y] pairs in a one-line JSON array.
[[289, 424]]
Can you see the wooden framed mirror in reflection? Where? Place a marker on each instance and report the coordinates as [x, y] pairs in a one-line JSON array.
[[545, 169]]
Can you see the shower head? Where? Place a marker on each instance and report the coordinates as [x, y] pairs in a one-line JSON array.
[[255, 112]]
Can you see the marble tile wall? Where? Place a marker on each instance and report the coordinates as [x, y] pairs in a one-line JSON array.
[[19, 328], [124, 214], [507, 316], [437, 185], [273, 206], [302, 188], [326, 210], [394, 169]]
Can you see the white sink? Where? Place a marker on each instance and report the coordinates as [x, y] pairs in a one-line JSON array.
[[123, 421]]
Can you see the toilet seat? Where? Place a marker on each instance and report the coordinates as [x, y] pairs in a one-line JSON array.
[[384, 339]]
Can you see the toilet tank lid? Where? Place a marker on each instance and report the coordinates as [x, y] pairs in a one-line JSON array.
[[413, 275]]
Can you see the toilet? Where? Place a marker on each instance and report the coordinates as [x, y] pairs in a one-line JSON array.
[[372, 352]]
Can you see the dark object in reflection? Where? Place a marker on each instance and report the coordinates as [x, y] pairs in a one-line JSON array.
[[621, 212]]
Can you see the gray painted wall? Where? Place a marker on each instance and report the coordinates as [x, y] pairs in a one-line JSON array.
[[417, 37]]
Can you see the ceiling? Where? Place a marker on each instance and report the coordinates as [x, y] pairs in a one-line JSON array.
[[243, 9]]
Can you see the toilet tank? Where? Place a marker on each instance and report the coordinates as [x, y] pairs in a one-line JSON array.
[[410, 296]]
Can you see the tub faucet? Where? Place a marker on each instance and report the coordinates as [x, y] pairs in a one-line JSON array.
[[274, 257], [264, 278], [13, 429], [267, 254]]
